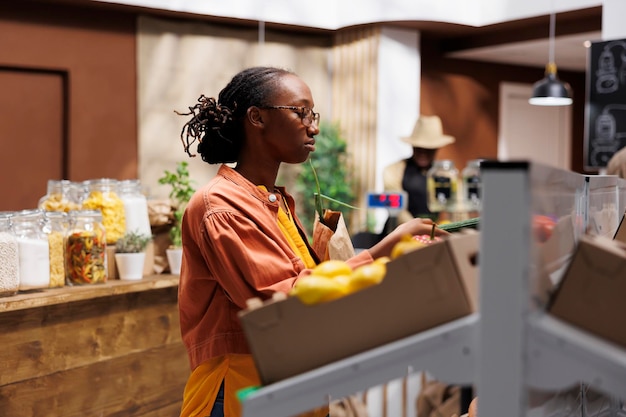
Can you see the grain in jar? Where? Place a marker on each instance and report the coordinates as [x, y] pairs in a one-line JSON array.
[[56, 228], [33, 249], [103, 195], [9, 258], [85, 248]]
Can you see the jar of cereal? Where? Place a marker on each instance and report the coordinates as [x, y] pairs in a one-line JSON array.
[[85, 248], [9, 257]]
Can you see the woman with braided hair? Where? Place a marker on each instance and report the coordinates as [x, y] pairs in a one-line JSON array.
[[241, 237]]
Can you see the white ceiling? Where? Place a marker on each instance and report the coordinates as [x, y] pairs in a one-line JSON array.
[[569, 51]]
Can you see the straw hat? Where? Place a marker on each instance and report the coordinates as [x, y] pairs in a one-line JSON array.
[[428, 134]]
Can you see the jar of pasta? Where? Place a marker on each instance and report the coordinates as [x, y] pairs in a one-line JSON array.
[[56, 228], [103, 195], [33, 249], [59, 197], [85, 248], [9, 257]]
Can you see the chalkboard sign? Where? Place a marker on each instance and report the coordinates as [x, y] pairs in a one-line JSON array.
[[605, 122]]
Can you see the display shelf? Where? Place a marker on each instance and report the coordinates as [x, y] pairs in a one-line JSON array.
[[522, 347], [67, 294], [445, 351], [562, 355]]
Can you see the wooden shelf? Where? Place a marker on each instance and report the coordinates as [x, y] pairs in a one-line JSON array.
[[68, 294]]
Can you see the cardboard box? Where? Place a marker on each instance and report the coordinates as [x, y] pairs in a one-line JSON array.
[[620, 233], [591, 294], [423, 289]]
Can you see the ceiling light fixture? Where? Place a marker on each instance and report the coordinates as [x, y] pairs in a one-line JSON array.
[[550, 91]]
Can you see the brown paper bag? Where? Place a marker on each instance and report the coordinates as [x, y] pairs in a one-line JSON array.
[[438, 399], [331, 239], [351, 406]]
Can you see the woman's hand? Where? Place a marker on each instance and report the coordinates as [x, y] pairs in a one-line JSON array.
[[413, 227]]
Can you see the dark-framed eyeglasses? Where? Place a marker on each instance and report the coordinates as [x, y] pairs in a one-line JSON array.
[[307, 115]]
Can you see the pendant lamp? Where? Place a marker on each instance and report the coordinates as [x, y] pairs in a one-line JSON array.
[[550, 91]]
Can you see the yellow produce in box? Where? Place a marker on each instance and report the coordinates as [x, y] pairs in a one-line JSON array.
[[405, 245], [367, 275], [315, 289], [332, 268]]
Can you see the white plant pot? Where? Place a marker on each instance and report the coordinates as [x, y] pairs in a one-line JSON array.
[[174, 259], [130, 265]]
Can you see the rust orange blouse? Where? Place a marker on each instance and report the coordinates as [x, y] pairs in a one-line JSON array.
[[235, 248]]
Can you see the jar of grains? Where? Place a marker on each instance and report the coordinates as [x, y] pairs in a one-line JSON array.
[[56, 228], [135, 207], [85, 248], [59, 197], [103, 195], [33, 249], [9, 257]]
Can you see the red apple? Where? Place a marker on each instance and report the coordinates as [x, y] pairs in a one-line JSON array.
[[542, 227], [428, 239]]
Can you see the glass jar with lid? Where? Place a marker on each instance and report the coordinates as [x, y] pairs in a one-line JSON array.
[[33, 249], [59, 197], [135, 207], [56, 228], [85, 248], [472, 185], [9, 257], [103, 194], [442, 186]]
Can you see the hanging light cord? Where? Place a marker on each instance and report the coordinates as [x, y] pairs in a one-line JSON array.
[[552, 35]]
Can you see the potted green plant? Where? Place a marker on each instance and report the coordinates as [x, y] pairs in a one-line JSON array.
[[328, 175], [182, 188], [130, 254]]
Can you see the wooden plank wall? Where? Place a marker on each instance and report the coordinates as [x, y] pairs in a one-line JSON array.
[[111, 356]]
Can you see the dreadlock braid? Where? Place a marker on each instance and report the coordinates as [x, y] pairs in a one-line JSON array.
[[218, 126]]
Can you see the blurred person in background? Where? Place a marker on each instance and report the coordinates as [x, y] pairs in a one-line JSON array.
[[410, 174]]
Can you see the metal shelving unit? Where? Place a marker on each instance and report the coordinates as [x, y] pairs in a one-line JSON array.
[[527, 348]]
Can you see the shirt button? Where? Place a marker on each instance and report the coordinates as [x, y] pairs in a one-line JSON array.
[[272, 198]]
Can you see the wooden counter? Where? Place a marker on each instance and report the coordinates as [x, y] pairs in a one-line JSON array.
[[110, 349]]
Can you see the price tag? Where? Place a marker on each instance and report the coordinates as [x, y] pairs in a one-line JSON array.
[[395, 201]]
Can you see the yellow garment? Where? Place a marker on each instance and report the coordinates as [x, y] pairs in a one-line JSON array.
[[237, 371], [288, 227]]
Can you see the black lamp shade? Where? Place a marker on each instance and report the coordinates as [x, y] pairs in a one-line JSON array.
[[550, 91]]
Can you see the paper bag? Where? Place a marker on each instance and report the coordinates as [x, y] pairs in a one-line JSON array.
[[331, 239]]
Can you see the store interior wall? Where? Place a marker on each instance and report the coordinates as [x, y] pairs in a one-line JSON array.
[[178, 61]]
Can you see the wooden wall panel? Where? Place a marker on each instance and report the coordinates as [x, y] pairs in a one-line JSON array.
[[32, 134], [96, 49]]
